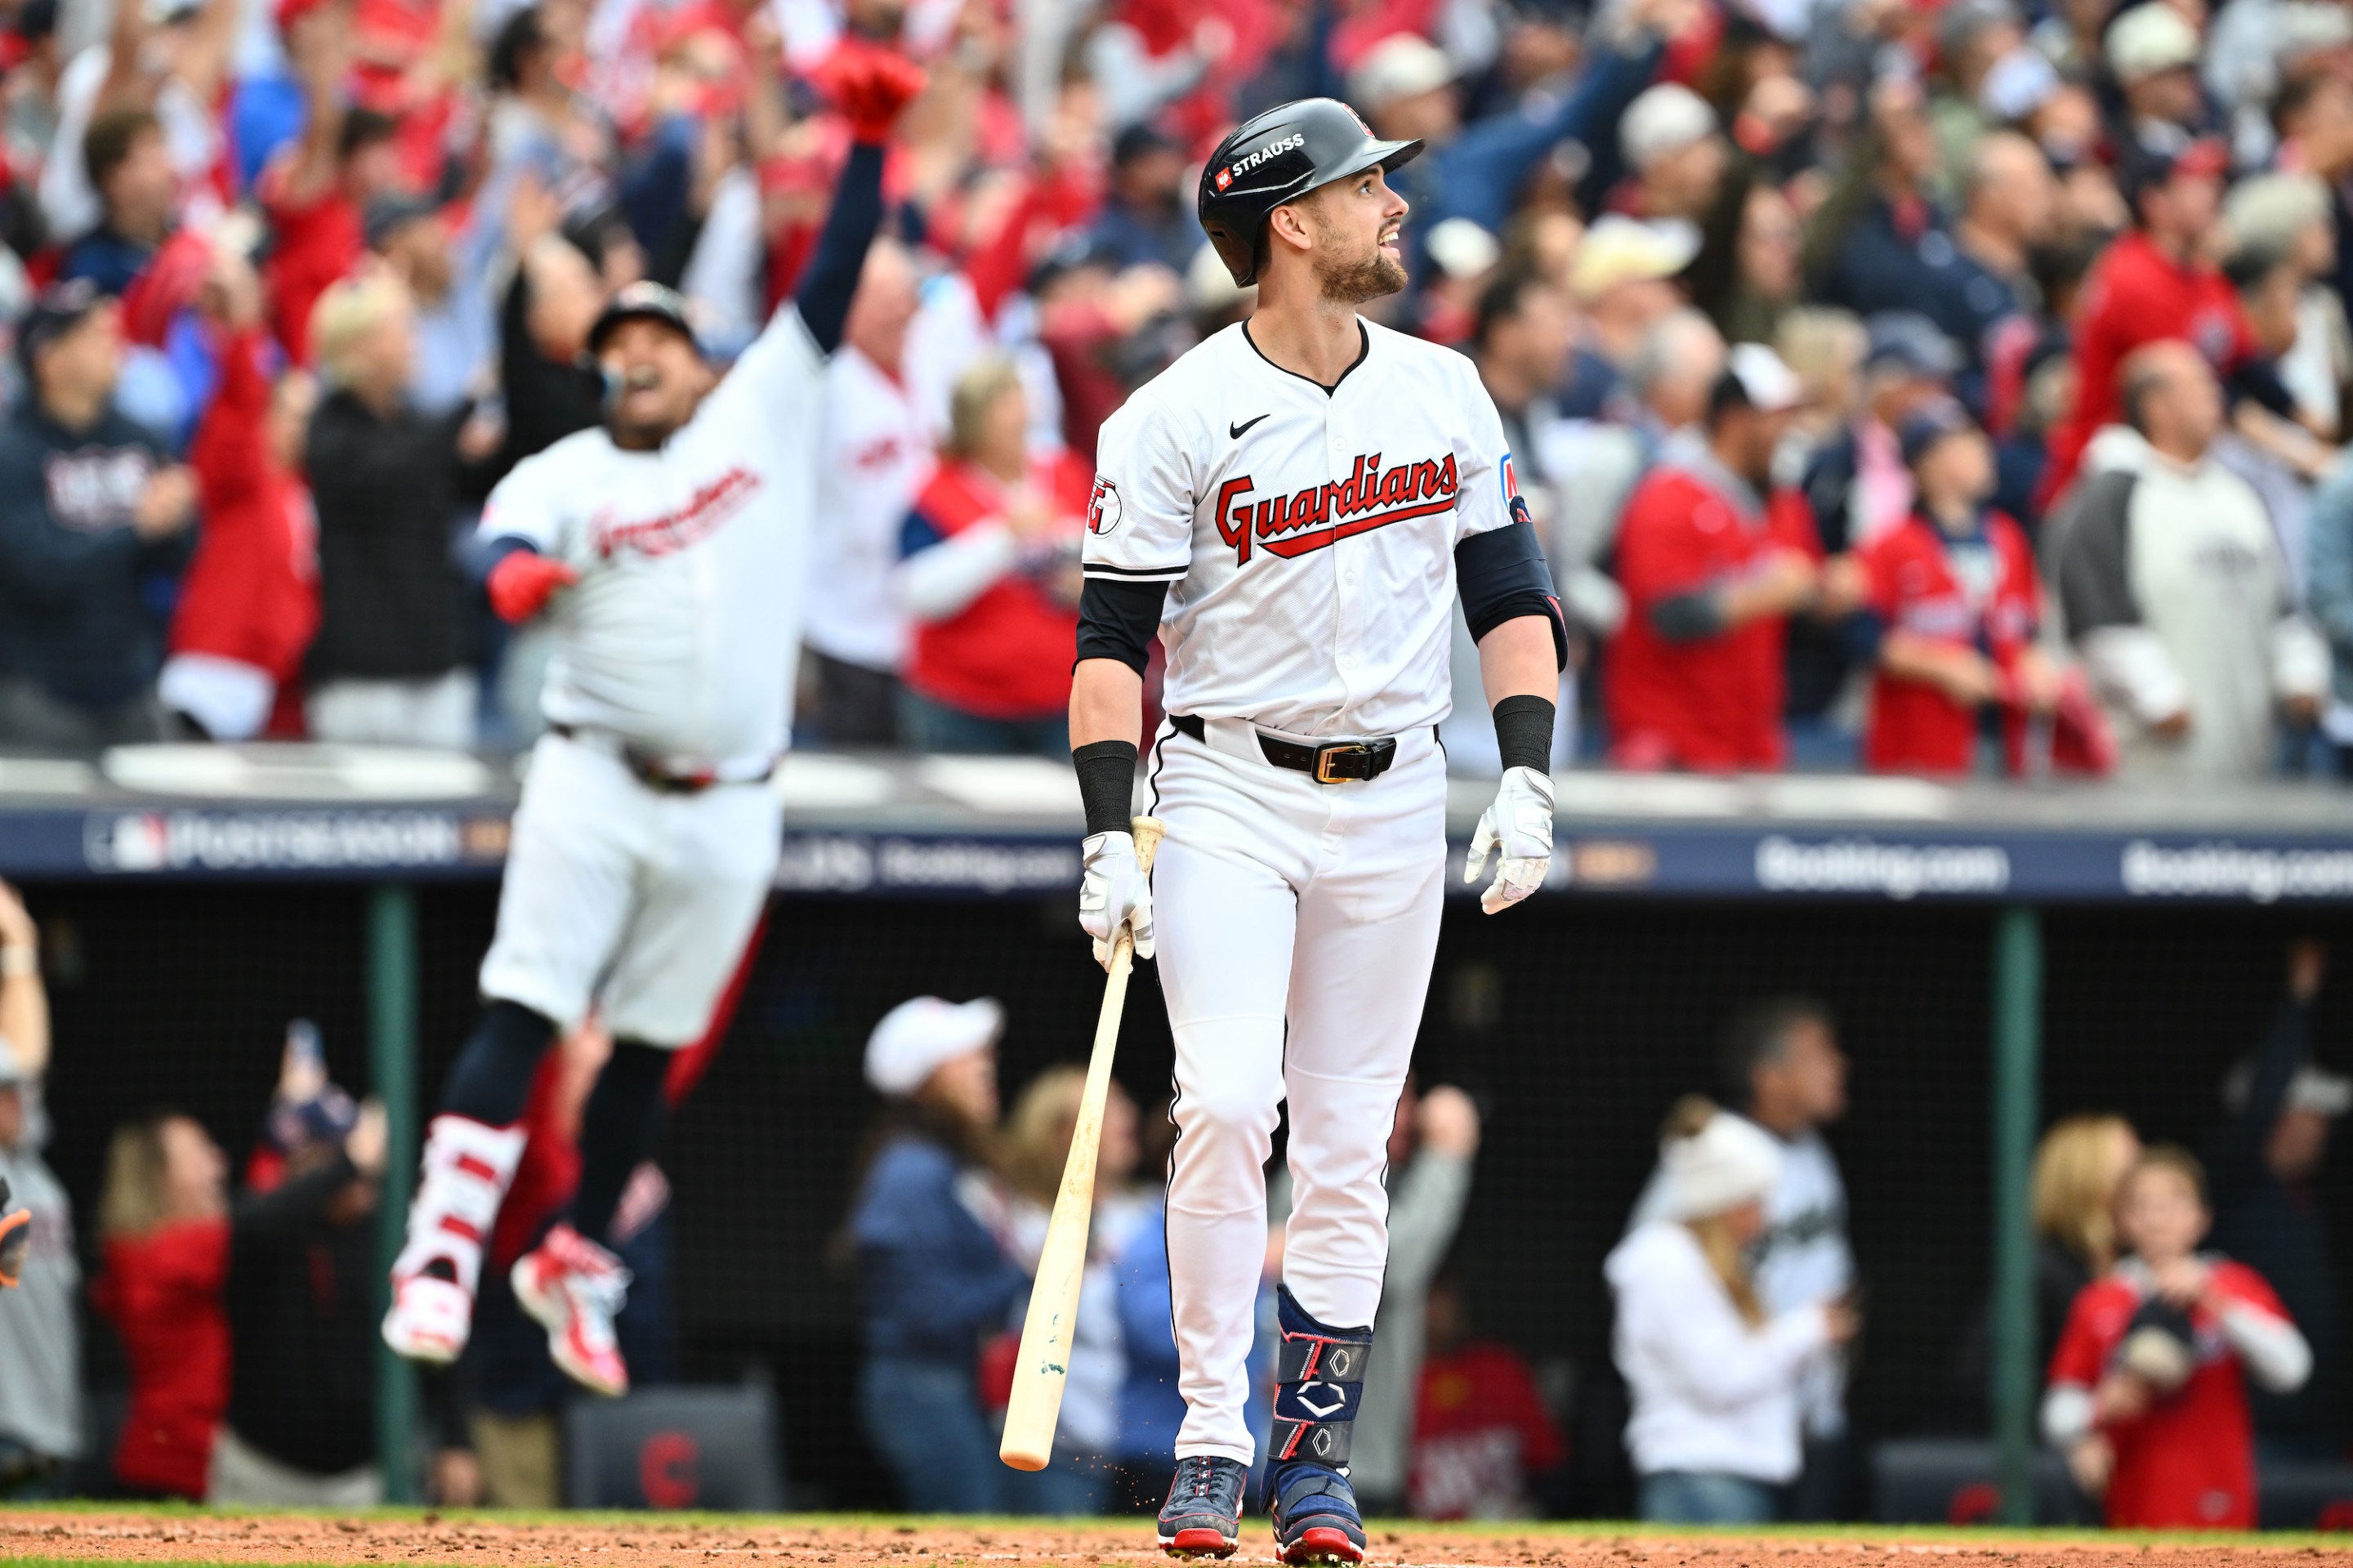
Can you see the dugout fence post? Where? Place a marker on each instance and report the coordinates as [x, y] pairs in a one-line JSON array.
[[2017, 1073], [392, 982]]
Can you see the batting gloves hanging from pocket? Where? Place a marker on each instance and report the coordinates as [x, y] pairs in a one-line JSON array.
[[1518, 828], [1114, 890]]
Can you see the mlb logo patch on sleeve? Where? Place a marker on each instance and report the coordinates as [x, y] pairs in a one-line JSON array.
[[1513, 502]]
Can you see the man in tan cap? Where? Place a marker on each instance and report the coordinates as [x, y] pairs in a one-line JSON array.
[[2153, 52], [1623, 279]]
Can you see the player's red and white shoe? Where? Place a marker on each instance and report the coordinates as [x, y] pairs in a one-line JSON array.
[[574, 1289], [467, 1167], [429, 1318]]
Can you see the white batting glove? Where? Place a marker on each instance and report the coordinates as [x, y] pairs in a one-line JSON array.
[[1114, 892], [1518, 828]]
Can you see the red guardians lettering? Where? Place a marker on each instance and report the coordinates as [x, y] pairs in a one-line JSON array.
[[1370, 497], [674, 531]]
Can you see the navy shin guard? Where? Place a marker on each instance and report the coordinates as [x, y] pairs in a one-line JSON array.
[[1319, 1385]]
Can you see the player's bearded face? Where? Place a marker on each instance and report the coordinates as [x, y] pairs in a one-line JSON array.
[[1357, 223], [654, 379]]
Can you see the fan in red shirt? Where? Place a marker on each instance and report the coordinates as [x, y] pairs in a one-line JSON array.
[[1481, 1430], [2153, 283], [167, 1229], [315, 189], [163, 1227], [1957, 595], [1711, 570], [249, 604], [989, 572], [2149, 1392]]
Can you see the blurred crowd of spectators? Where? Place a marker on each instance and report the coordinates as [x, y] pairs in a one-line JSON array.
[[1945, 388], [2187, 1306]]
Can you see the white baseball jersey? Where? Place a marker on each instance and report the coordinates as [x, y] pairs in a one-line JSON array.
[[877, 454], [1308, 536], [1308, 539], [684, 632]]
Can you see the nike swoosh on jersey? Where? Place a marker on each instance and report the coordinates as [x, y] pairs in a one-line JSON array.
[[1237, 432]]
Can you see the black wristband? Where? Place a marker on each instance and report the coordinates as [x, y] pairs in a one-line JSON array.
[[1106, 770], [1524, 733]]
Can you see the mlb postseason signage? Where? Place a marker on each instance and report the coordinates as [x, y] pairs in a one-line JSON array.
[[1008, 827]]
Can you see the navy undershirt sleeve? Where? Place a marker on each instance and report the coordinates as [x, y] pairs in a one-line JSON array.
[[1502, 576], [823, 298]]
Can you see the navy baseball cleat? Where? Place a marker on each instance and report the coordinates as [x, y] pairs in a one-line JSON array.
[[1319, 1382], [1203, 1515], [1315, 1517]]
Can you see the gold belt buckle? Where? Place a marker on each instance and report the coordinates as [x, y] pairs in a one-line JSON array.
[[1325, 754]]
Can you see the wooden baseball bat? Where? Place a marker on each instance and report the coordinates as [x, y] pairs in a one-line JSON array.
[[1044, 1362]]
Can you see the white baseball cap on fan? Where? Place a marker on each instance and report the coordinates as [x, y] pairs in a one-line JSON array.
[[919, 1034]]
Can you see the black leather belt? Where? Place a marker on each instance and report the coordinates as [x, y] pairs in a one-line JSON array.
[[1334, 762], [648, 769]]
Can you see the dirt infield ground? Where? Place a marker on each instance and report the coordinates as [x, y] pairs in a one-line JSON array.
[[646, 1541]]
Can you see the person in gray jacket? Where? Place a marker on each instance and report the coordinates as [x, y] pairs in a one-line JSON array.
[[2174, 590]]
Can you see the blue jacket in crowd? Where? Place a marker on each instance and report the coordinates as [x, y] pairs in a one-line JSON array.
[[79, 610], [932, 1279], [1151, 1405], [1477, 173]]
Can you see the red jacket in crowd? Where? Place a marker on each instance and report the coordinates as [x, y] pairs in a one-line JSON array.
[[2188, 1461], [1481, 1433], [2138, 295], [1924, 582], [251, 594], [1708, 703], [1006, 655], [318, 244], [161, 1291]]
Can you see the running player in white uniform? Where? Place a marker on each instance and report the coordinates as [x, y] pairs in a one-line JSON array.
[[666, 547], [1294, 505]]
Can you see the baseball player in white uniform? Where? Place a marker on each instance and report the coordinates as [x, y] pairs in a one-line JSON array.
[[1295, 507], [666, 547]]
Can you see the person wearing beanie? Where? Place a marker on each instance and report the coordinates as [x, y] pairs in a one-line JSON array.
[[1957, 597], [934, 1278], [1712, 1380]]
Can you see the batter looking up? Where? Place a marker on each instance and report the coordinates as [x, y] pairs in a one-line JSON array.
[[1293, 506], [666, 547]]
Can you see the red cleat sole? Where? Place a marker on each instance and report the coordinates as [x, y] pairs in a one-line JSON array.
[[1198, 1543], [1323, 1545]]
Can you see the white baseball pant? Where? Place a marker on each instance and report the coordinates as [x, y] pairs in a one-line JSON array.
[[637, 900], [1281, 901]]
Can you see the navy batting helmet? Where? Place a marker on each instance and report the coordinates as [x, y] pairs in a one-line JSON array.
[[1280, 156], [642, 302]]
